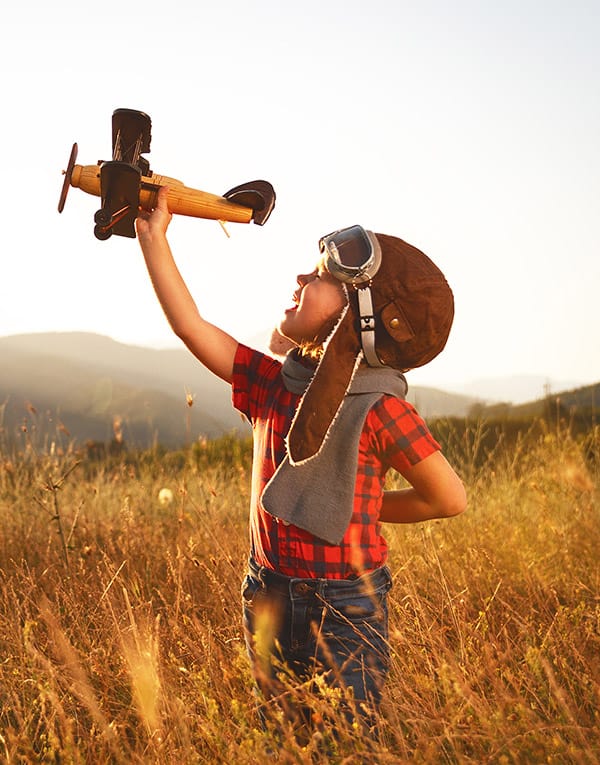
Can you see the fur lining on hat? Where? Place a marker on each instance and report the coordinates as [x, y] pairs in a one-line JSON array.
[[279, 344], [324, 396]]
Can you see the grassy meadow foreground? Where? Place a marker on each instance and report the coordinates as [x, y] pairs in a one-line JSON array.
[[120, 612]]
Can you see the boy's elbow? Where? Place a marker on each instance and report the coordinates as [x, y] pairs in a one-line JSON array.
[[454, 509], [455, 503], [185, 333]]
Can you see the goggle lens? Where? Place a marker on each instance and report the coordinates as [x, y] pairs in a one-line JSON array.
[[353, 254]]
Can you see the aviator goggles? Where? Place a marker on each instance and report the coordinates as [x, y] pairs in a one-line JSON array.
[[353, 256]]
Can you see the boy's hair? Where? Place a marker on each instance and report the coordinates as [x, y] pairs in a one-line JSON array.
[[315, 348], [413, 309]]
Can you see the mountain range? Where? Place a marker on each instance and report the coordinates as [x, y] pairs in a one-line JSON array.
[[86, 387]]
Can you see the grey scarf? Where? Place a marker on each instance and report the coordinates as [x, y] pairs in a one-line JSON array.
[[318, 495]]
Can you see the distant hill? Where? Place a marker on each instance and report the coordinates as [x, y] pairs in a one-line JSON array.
[[583, 401], [73, 385], [81, 382], [516, 389], [432, 402]]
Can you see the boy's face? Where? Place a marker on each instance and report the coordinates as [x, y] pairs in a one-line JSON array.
[[318, 300]]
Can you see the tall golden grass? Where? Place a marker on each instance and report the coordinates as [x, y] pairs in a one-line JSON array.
[[120, 618]]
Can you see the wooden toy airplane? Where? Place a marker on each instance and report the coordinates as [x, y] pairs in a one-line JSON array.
[[127, 184]]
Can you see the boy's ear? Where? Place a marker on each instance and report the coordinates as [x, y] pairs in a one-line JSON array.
[[324, 396]]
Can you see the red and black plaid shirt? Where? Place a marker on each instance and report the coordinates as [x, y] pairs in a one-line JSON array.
[[393, 436]]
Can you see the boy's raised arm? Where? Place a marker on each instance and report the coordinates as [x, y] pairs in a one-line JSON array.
[[211, 345]]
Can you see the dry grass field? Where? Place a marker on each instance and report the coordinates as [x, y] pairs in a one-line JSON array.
[[120, 635]]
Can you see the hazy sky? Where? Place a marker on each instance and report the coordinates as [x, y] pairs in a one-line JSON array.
[[470, 129]]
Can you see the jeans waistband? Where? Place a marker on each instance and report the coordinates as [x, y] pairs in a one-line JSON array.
[[297, 586]]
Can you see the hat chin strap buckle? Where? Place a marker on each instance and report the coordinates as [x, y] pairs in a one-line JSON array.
[[367, 326]]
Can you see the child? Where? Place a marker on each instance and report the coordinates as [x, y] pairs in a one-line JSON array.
[[328, 423]]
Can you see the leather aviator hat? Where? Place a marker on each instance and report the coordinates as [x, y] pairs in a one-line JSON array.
[[399, 313]]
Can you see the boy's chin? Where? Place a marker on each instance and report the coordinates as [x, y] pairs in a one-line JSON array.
[[279, 344]]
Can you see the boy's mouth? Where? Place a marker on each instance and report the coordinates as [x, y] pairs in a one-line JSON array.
[[295, 300]]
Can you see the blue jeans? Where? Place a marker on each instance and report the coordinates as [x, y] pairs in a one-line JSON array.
[[333, 629]]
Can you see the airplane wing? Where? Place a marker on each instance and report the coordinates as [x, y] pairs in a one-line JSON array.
[[131, 137]]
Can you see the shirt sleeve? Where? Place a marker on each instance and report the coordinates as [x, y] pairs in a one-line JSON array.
[[402, 436], [252, 372]]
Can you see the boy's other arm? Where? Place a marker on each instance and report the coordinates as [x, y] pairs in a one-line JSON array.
[[211, 345], [435, 491]]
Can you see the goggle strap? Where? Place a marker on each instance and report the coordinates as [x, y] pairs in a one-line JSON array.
[[367, 327]]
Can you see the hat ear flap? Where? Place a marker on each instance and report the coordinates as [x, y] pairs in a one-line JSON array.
[[324, 396]]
